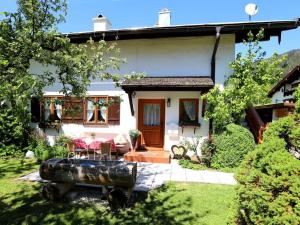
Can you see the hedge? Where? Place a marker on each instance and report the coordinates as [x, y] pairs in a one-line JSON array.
[[231, 146]]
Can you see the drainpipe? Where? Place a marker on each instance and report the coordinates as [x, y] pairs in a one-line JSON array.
[[213, 57], [213, 68]]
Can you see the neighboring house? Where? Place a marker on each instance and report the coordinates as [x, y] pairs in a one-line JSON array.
[[182, 62], [283, 103]]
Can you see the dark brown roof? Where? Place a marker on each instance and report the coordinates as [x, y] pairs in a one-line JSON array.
[[187, 83], [293, 74], [276, 105], [240, 29]]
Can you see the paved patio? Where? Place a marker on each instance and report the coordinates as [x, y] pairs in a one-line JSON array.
[[153, 175]]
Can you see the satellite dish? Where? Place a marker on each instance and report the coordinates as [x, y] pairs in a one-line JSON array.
[[251, 9]]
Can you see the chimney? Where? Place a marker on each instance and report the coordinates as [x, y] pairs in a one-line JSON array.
[[101, 23], [164, 18]]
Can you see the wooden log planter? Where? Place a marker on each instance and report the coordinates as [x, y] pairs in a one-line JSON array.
[[63, 174]]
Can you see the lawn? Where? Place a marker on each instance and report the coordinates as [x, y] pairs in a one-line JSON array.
[[173, 204]]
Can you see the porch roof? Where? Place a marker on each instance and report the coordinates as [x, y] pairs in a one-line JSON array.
[[171, 83], [275, 106]]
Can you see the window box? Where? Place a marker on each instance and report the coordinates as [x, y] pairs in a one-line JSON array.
[[51, 125], [183, 125], [188, 113]]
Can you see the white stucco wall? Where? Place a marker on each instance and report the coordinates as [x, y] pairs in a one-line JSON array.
[[173, 133], [178, 56], [278, 97], [156, 57]]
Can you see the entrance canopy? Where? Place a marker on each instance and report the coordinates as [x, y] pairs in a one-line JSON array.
[[188, 83]]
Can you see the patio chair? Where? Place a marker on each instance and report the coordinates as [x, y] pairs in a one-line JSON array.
[[105, 149], [80, 147], [95, 147]]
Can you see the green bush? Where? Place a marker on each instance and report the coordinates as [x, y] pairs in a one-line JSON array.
[[188, 164], [269, 185], [231, 146], [269, 178], [13, 134], [207, 151], [60, 151], [43, 151]]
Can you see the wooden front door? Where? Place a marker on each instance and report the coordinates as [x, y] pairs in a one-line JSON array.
[[151, 122]]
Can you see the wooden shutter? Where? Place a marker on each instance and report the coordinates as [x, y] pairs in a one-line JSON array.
[[35, 110], [114, 111], [203, 107], [72, 110]]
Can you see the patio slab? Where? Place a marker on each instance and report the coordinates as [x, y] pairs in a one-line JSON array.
[[153, 175]]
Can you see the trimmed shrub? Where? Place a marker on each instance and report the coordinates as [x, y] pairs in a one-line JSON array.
[[269, 186], [269, 178], [231, 146]]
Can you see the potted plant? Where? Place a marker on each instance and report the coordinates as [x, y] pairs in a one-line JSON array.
[[134, 135]]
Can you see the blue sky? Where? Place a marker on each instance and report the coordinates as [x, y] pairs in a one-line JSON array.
[[138, 13]]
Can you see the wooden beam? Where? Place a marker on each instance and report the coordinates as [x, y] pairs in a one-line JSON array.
[[131, 103]]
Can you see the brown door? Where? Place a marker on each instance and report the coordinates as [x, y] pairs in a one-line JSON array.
[[151, 122]]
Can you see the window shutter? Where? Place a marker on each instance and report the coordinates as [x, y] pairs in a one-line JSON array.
[[72, 110], [203, 107], [35, 110], [114, 111]]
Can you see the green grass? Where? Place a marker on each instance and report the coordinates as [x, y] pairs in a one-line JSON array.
[[172, 204]]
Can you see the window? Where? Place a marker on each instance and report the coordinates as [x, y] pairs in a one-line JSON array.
[[52, 109], [65, 109], [188, 111], [100, 110], [72, 110], [96, 110]]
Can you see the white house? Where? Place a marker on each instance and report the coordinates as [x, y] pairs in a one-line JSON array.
[[283, 104], [182, 62]]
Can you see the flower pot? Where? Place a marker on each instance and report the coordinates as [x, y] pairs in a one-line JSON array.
[[133, 143]]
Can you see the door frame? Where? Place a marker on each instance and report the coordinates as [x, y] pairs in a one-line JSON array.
[[140, 118]]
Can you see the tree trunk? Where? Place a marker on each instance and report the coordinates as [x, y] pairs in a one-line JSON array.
[[55, 191]]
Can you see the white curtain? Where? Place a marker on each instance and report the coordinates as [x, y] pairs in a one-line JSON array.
[[90, 110], [190, 110], [58, 110], [151, 114], [47, 111], [102, 114]]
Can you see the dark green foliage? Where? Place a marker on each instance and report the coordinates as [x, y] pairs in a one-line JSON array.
[[279, 128], [207, 151], [231, 146], [269, 178], [13, 134], [269, 189], [188, 164]]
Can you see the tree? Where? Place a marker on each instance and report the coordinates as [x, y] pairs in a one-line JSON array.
[[30, 34], [248, 85], [297, 97]]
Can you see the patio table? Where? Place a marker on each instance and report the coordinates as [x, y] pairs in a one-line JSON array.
[[95, 143]]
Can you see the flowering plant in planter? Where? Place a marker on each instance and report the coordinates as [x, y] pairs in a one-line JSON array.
[[134, 134]]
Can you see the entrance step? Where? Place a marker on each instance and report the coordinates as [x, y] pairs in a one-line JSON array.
[[149, 156]]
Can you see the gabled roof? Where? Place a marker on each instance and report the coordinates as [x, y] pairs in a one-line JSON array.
[[240, 29], [187, 83], [293, 74]]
